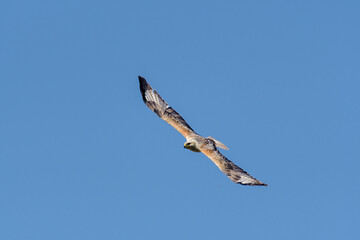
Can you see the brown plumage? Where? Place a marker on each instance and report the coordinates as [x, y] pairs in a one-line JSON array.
[[195, 142]]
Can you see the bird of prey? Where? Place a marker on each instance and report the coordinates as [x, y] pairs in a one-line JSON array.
[[194, 141]]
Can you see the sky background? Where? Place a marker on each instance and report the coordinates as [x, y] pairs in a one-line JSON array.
[[82, 157]]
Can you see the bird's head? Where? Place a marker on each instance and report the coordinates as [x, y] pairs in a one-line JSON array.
[[191, 146]]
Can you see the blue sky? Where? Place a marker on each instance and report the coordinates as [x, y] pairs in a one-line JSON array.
[[82, 157]]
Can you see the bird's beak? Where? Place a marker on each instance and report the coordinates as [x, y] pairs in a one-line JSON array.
[[184, 146]]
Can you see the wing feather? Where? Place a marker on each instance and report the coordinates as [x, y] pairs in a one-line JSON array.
[[158, 105], [235, 173]]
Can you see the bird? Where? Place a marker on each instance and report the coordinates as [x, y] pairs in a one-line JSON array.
[[195, 142]]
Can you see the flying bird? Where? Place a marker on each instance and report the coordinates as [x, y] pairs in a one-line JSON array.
[[194, 141]]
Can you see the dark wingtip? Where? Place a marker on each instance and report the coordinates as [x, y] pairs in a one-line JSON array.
[[253, 184], [142, 82], [260, 184], [143, 87]]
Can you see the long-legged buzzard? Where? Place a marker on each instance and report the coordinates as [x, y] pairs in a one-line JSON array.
[[194, 141]]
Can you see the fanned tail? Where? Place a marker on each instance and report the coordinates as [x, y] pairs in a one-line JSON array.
[[218, 143]]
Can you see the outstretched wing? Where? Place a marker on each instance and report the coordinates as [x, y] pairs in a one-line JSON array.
[[235, 173], [154, 101]]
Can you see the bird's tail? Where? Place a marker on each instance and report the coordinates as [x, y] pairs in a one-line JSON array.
[[218, 144]]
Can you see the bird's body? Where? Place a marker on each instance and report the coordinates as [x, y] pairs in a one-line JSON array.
[[194, 141]]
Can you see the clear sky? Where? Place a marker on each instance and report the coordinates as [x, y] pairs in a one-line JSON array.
[[82, 157]]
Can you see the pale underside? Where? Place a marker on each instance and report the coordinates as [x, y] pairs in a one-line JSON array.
[[195, 142]]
